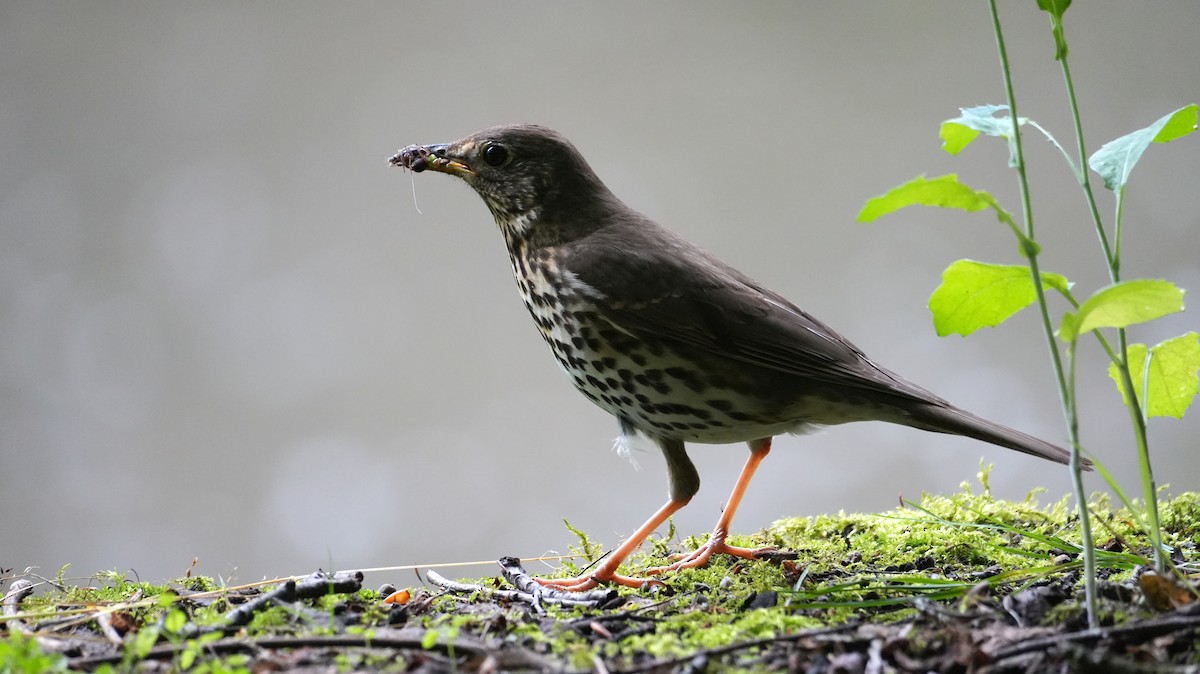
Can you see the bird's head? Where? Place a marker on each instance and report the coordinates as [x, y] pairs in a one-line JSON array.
[[529, 176]]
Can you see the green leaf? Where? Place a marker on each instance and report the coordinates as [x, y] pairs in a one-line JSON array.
[[1179, 124], [144, 641], [976, 295], [1056, 9], [956, 136], [959, 132], [942, 192], [174, 621], [1121, 305], [1116, 159], [1169, 385], [430, 639]]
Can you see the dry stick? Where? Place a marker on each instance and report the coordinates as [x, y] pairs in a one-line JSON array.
[[284, 594], [515, 574], [471, 588], [403, 639], [318, 584], [1184, 620], [534, 599], [225, 591], [104, 620], [1148, 628], [17, 592]]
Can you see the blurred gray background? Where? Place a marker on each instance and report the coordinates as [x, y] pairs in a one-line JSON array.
[[227, 331]]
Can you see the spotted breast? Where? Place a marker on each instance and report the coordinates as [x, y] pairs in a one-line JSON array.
[[651, 386]]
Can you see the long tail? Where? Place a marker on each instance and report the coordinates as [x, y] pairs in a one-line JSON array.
[[950, 419]]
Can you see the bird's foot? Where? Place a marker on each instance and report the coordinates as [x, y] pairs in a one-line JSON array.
[[587, 581], [698, 557], [701, 555]]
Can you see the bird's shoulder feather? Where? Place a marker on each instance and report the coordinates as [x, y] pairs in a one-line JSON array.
[[652, 283]]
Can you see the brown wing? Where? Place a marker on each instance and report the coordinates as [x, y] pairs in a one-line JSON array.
[[656, 284]]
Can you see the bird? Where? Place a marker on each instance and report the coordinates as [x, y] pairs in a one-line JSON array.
[[677, 345]]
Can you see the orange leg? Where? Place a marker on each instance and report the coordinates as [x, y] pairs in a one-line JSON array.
[[684, 483], [716, 543], [607, 572]]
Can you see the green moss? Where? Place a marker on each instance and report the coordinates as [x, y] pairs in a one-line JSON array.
[[268, 620], [855, 566], [1180, 517], [849, 567]]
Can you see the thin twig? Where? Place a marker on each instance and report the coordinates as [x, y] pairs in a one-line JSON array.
[[17, 592], [1147, 628], [533, 596]]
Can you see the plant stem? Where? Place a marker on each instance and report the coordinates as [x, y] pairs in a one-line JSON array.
[[1112, 255], [1081, 174], [1149, 487], [1065, 390], [1137, 415], [1086, 544]]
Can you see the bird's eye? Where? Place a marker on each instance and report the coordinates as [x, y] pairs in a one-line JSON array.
[[495, 155]]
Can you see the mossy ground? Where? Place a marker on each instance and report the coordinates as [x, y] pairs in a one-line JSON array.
[[923, 578]]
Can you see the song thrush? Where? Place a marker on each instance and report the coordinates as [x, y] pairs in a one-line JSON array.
[[674, 343]]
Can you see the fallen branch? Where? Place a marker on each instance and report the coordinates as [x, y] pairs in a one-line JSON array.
[[1144, 629], [533, 596], [403, 639], [515, 574], [318, 584], [17, 592]]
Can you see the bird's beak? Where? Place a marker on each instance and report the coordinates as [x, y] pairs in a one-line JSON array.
[[417, 158]]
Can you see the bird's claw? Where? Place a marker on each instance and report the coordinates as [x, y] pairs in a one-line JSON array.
[[585, 582], [696, 558], [701, 555]]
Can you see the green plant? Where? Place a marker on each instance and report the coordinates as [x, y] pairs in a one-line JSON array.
[[1153, 381], [20, 654], [587, 548]]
